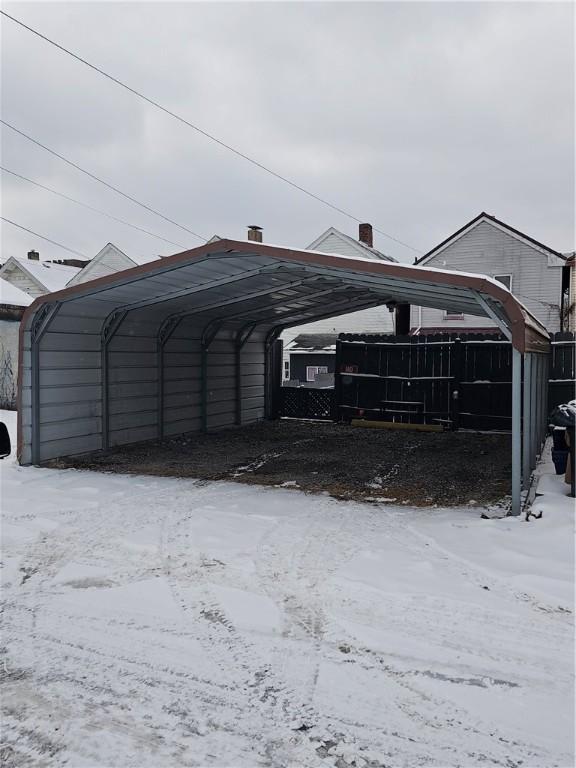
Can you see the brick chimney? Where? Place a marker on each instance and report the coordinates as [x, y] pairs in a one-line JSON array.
[[254, 233], [365, 234], [33, 255]]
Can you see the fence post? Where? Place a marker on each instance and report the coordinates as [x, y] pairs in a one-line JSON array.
[[457, 382]]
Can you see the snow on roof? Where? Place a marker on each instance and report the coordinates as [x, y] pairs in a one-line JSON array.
[[13, 296], [357, 244], [53, 276], [408, 267], [139, 260], [325, 342]]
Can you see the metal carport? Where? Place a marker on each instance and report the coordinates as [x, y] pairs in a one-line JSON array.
[[183, 344]]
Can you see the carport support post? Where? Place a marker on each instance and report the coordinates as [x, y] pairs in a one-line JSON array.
[[111, 325], [527, 422], [516, 430], [241, 338], [208, 337], [40, 325], [166, 330]]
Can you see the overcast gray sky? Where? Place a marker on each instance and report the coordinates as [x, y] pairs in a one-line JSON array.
[[412, 116]]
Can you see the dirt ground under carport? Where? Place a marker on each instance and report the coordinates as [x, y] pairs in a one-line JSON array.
[[377, 465]]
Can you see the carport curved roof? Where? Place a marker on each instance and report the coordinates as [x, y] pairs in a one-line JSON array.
[[239, 285]]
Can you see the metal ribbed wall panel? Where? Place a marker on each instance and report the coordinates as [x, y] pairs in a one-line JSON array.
[[182, 380], [132, 381]]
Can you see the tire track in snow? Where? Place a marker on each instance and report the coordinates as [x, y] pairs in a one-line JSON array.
[[281, 721], [291, 568]]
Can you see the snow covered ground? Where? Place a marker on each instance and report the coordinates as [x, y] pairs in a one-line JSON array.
[[163, 622]]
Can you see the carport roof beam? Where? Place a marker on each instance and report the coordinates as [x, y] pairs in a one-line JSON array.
[[241, 259]]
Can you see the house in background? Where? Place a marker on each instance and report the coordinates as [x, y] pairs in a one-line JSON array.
[[569, 293], [320, 337], [106, 262], [13, 302], [22, 280], [312, 360], [532, 271], [36, 277]]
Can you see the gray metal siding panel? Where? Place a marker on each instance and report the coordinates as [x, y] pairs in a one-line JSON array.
[[252, 380], [68, 446], [133, 435], [70, 404], [26, 400]]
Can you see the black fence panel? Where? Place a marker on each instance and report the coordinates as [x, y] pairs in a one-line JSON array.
[[304, 403], [458, 380], [485, 391], [562, 370]]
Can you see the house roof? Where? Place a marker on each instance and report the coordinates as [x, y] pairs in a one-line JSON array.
[[492, 220], [245, 285], [308, 342], [361, 248], [46, 275], [12, 296], [109, 249]]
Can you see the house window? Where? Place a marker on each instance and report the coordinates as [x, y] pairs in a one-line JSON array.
[[286, 369], [313, 370], [448, 315], [506, 280]]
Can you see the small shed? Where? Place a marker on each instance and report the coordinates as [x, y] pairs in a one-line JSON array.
[[185, 343]]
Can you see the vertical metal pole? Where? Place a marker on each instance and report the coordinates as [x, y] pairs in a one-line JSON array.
[[516, 431], [160, 402], [545, 394], [109, 330], [533, 422], [527, 423], [238, 381], [35, 359], [40, 324], [204, 387], [105, 396]]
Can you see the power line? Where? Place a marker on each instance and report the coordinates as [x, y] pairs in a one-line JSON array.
[[70, 250], [200, 130], [89, 207], [101, 181]]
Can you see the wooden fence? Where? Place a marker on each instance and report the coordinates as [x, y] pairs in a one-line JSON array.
[[562, 370], [462, 381], [459, 380]]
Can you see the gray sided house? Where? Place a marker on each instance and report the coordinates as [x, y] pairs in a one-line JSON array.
[[532, 271]]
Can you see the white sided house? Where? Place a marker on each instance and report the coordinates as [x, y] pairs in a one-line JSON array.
[[530, 270], [23, 280], [13, 302], [106, 262], [376, 320], [36, 277]]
